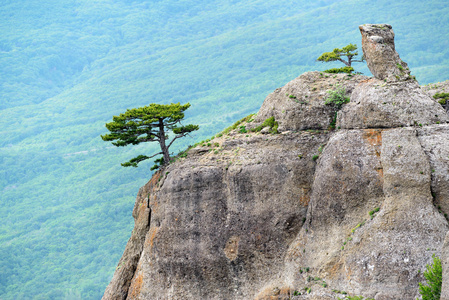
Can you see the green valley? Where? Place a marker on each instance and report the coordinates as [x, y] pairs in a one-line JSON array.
[[68, 66]]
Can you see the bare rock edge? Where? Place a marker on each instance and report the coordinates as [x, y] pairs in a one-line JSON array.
[[309, 213]]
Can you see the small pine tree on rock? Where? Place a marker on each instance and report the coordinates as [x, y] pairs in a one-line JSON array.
[[349, 51], [433, 275]]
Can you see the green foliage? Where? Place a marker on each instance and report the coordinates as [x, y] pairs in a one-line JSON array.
[[315, 157], [270, 122], [372, 212], [337, 97], [134, 161], [246, 119], [333, 121], [158, 163], [348, 70], [348, 51], [444, 97], [433, 275], [148, 124], [242, 129]]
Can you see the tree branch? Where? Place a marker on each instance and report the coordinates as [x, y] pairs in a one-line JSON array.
[[155, 155], [176, 137], [344, 61]]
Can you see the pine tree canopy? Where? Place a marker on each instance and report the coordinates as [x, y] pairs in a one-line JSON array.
[[148, 124], [348, 51]]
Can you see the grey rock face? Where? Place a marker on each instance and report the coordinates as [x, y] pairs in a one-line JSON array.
[[380, 53], [376, 104], [438, 88], [299, 105], [221, 223], [350, 245], [445, 266], [435, 143]]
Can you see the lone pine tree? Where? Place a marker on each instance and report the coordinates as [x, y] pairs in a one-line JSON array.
[[150, 123], [349, 51]]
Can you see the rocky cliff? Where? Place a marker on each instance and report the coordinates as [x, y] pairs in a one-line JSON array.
[[281, 206]]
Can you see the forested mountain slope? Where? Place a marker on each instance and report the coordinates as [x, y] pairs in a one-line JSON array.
[[67, 66]]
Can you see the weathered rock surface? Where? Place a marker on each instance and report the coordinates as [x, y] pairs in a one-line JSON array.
[[376, 104], [379, 256], [299, 105], [119, 286], [445, 266], [438, 88], [311, 214], [379, 51], [435, 143], [221, 221]]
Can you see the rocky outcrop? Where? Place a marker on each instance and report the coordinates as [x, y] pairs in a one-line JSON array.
[[308, 213], [376, 104], [392, 98], [300, 104], [379, 51]]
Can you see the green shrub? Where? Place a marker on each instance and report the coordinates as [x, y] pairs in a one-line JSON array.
[[270, 122], [340, 70], [333, 122], [315, 157], [433, 276], [444, 97], [242, 129], [337, 97], [246, 119], [371, 213]]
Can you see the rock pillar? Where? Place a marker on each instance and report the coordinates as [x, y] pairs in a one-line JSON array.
[[380, 54]]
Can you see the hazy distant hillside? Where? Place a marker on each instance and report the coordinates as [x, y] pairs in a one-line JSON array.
[[67, 66]]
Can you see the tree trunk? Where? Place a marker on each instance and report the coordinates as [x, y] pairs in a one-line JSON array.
[[164, 148], [345, 62]]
